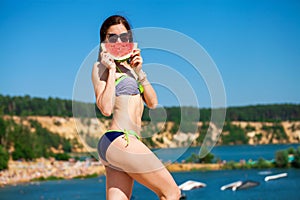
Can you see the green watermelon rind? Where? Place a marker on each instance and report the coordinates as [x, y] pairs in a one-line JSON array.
[[119, 59]]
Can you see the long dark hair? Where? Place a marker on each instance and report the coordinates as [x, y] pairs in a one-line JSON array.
[[110, 21]]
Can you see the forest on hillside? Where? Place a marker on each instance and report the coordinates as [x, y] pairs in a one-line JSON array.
[[29, 106], [31, 141]]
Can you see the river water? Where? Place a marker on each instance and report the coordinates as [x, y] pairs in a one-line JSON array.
[[228, 153]]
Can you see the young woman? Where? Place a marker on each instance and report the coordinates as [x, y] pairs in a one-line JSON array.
[[122, 88]]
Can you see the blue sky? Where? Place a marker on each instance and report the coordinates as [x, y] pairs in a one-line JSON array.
[[254, 44]]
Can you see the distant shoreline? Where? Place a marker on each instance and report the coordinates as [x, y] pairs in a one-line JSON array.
[[50, 169], [47, 169], [182, 167]]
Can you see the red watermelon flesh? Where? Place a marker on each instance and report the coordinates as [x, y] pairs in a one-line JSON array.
[[119, 51]]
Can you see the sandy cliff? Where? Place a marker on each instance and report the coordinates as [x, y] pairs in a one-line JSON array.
[[90, 129]]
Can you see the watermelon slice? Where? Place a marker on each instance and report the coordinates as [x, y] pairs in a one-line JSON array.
[[119, 51]]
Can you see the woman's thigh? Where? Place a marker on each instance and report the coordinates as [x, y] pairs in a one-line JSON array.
[[160, 181], [139, 162], [132, 157], [118, 184]]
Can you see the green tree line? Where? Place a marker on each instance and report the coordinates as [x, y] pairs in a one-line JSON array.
[[26, 106], [29, 141]]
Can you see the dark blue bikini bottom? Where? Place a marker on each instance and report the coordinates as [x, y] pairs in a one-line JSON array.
[[109, 137], [105, 141]]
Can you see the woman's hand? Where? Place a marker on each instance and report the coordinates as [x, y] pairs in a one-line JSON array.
[[136, 60], [107, 60]]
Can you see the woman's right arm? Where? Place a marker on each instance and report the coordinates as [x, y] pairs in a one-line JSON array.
[[103, 79]]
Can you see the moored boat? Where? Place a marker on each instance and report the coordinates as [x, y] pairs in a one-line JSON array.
[[240, 185], [276, 176], [232, 186], [189, 185]]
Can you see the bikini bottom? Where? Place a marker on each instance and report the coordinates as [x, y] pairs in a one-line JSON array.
[[109, 137]]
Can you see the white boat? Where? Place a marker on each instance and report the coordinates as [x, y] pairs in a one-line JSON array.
[[232, 186], [276, 176], [240, 185], [189, 185]]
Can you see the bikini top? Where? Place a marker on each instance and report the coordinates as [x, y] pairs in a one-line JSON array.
[[127, 85]]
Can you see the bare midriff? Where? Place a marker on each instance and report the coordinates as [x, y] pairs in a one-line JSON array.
[[127, 113]]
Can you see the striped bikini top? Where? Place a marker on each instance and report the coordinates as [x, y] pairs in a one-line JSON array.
[[127, 85]]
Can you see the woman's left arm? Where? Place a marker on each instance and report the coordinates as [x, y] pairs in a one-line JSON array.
[[149, 93]]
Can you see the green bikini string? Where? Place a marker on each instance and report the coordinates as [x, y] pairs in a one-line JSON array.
[[119, 70], [126, 134], [130, 132]]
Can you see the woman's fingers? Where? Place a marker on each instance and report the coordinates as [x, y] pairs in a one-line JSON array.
[[107, 61], [136, 52], [136, 59], [137, 62]]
